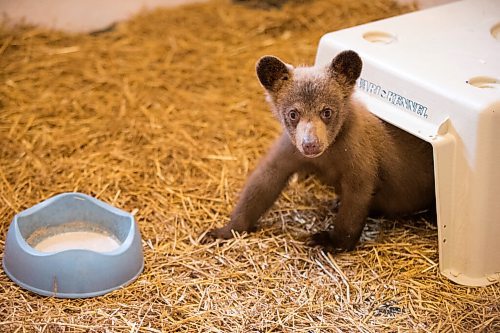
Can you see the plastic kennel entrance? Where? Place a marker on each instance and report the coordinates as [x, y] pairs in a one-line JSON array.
[[436, 74]]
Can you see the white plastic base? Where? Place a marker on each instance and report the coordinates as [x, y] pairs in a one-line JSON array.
[[436, 74]]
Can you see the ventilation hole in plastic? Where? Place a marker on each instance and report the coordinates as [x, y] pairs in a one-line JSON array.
[[484, 82], [379, 37], [495, 31]]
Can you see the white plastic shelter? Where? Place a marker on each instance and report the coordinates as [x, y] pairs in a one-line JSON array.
[[436, 74]]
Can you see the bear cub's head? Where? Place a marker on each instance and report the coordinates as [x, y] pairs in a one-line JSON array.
[[310, 102]]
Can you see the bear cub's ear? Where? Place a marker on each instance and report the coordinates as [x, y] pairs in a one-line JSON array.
[[272, 72], [346, 67]]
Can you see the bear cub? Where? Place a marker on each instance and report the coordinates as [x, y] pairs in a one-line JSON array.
[[375, 167]]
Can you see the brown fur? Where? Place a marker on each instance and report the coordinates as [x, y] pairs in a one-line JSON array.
[[374, 166]]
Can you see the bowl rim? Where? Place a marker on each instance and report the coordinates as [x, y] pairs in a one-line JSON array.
[[26, 247]]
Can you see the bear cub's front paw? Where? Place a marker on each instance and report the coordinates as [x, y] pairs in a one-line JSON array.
[[332, 241], [217, 233], [221, 233]]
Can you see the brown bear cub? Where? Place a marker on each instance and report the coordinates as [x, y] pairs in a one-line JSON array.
[[375, 167]]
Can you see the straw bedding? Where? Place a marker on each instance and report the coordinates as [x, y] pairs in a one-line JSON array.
[[163, 117]]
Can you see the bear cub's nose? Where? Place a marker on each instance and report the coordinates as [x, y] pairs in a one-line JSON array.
[[311, 146]]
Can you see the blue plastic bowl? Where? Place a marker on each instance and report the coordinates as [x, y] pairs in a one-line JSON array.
[[73, 273]]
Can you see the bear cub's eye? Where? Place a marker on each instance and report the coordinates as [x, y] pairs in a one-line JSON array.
[[293, 114], [326, 113]]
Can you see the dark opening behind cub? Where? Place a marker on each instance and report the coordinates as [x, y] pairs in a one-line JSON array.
[[375, 167]]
